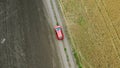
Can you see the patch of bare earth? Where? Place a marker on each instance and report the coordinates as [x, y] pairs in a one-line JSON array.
[[94, 27]]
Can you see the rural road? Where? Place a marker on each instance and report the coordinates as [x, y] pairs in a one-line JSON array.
[[27, 39], [66, 57]]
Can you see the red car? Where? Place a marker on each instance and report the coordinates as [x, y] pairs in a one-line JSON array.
[[59, 33]]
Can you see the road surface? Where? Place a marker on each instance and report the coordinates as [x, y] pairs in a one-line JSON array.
[[54, 14], [25, 37]]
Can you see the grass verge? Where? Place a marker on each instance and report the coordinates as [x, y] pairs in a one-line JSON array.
[[77, 59]]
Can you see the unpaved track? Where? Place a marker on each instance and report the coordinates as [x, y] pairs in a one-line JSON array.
[[24, 36], [66, 57]]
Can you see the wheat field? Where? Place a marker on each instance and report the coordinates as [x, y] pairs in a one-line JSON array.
[[94, 27]]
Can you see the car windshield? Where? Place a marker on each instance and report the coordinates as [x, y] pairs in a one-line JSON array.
[[58, 29]]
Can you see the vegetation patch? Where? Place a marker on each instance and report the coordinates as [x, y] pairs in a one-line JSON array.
[[77, 59], [81, 21], [66, 54]]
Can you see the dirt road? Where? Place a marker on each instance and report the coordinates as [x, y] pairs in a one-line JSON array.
[[66, 57], [24, 36]]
